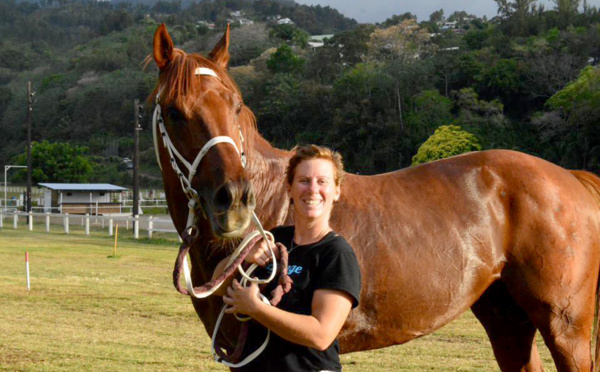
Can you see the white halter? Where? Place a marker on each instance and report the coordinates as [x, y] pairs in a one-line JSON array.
[[192, 195]]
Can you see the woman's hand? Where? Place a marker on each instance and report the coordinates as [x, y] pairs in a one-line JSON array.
[[260, 253], [242, 300]]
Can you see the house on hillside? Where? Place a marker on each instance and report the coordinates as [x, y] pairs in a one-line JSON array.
[[209, 25], [285, 21], [317, 41], [82, 198], [449, 25]]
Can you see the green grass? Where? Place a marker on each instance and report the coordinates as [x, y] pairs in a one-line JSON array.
[[89, 312]]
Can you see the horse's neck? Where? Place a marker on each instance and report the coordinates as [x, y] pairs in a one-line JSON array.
[[266, 169]]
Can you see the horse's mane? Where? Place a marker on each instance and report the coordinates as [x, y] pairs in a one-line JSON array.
[[180, 80]]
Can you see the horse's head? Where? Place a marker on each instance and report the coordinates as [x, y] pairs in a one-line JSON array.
[[203, 121]]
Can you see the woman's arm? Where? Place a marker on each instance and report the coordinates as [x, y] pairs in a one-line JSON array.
[[330, 308]]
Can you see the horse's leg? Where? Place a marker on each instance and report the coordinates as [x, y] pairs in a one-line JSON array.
[[566, 332], [561, 311], [511, 332]]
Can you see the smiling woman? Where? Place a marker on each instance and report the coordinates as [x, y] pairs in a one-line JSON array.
[[322, 265]]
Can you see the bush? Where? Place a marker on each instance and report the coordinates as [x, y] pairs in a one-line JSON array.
[[448, 140]]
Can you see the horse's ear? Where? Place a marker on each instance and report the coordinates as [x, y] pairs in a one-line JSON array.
[[163, 47], [220, 53]]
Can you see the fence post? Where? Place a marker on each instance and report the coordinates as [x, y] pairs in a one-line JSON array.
[[110, 227], [87, 224], [15, 220], [1, 220], [30, 221], [136, 226], [47, 222], [150, 227], [66, 223]]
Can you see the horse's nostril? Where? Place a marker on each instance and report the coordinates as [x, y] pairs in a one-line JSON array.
[[234, 194], [223, 197], [248, 199]]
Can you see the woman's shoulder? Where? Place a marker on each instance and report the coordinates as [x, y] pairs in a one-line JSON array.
[[336, 243]]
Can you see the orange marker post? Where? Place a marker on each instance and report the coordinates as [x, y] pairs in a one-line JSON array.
[[116, 238]]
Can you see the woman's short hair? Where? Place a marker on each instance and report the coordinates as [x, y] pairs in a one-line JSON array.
[[307, 152]]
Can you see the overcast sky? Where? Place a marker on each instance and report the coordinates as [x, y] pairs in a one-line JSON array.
[[371, 11]]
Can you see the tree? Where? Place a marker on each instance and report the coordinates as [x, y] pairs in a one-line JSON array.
[[285, 61], [504, 79], [403, 50], [431, 110], [291, 34], [483, 118], [397, 19], [515, 15], [57, 162], [548, 72], [342, 51], [401, 43], [567, 10], [448, 140], [363, 124], [580, 94], [437, 16], [247, 43], [569, 130], [459, 15]]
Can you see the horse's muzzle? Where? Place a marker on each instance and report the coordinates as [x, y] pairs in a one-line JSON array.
[[231, 208]]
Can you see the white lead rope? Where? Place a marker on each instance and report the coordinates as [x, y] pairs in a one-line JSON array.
[[244, 282], [186, 185], [267, 236]]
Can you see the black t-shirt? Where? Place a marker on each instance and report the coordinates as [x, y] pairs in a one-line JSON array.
[[327, 264]]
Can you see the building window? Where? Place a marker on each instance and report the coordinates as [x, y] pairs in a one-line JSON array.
[[69, 194]]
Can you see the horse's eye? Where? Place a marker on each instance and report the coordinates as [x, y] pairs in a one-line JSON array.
[[238, 109], [175, 116]]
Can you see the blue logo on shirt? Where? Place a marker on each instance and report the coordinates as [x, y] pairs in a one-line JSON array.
[[292, 269]]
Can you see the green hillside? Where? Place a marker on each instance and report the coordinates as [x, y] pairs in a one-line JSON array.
[[525, 80]]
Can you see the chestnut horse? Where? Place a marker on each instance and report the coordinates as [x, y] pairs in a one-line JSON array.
[[512, 237]]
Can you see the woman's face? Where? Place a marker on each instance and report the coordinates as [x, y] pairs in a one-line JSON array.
[[313, 189]]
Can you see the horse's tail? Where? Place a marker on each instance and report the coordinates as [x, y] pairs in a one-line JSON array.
[[592, 184]]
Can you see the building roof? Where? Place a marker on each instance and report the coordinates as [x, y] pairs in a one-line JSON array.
[[82, 186], [320, 37]]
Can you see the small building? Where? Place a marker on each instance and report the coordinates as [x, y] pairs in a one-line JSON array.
[[209, 25], [285, 21], [317, 41], [449, 25], [82, 198]]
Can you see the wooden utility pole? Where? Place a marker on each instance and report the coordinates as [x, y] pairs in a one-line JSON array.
[[136, 160], [29, 119]]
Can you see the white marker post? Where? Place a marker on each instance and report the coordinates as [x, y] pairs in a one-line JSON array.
[[27, 268]]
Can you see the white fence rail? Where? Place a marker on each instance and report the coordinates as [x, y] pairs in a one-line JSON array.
[[150, 224]]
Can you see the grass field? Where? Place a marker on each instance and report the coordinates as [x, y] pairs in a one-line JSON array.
[[89, 312]]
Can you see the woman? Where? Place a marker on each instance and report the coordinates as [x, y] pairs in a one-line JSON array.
[[322, 265]]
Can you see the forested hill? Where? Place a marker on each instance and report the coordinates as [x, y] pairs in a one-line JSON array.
[[525, 80], [84, 59]]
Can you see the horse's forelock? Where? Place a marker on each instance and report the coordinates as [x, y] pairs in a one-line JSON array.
[[180, 80]]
